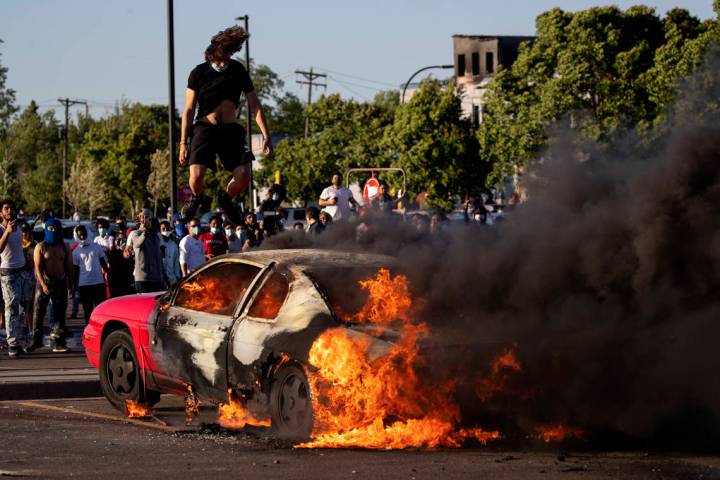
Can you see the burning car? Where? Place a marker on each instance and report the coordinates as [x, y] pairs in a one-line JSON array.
[[236, 331]]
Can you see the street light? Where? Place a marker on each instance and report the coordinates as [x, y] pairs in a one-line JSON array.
[[251, 189], [421, 70], [171, 106]]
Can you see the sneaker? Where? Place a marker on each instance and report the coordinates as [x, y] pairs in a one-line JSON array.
[[192, 204], [60, 349], [229, 208], [32, 347], [14, 352]]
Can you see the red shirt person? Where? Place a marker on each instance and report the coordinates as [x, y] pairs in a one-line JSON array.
[[214, 241]]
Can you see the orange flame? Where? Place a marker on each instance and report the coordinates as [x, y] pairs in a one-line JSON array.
[[235, 414], [558, 433], [136, 410], [498, 380], [207, 294], [380, 402]]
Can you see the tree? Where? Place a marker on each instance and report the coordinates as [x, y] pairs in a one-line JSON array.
[[434, 145], [122, 144], [7, 102], [586, 69], [86, 187], [31, 154], [345, 134], [158, 183]]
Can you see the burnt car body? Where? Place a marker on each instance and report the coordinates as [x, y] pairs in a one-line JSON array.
[[242, 323]]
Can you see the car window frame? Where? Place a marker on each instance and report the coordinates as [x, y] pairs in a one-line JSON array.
[[244, 312], [261, 273]]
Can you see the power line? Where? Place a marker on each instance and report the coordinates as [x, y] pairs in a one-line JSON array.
[[390, 85], [349, 89], [310, 82]]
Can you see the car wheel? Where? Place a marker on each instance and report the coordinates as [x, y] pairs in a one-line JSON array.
[[120, 374], [291, 403]]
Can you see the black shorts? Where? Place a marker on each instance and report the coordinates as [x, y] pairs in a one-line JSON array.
[[225, 141]]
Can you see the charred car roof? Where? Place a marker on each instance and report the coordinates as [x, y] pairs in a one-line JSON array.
[[309, 259]]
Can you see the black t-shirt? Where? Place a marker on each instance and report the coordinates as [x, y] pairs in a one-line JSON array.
[[213, 87]]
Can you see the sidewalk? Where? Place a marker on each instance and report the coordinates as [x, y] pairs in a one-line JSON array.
[[43, 374]]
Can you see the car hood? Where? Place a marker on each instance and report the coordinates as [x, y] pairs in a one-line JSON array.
[[129, 307]]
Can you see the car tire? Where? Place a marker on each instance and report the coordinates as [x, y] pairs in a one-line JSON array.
[[120, 374], [291, 403]]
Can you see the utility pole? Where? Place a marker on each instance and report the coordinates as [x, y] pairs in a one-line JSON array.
[[67, 103], [171, 106], [251, 187], [310, 82]]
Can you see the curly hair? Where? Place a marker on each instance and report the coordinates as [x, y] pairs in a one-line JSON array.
[[225, 43]]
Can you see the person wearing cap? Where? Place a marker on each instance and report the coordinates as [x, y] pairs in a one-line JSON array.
[[90, 262], [147, 245], [104, 239], [53, 263], [213, 92]]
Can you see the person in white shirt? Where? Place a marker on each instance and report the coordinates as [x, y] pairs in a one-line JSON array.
[[336, 199], [192, 249], [90, 262], [104, 239], [12, 276]]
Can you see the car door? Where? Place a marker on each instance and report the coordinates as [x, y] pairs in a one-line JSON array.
[[192, 329]]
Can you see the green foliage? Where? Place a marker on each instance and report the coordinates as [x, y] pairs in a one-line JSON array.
[[345, 134], [434, 146], [123, 144], [87, 188], [33, 146], [7, 102], [597, 70]]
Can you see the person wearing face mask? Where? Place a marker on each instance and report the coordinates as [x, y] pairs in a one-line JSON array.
[[54, 274], [148, 247], [233, 242], [214, 241], [104, 239], [213, 92], [171, 260], [90, 262], [192, 250], [179, 227]]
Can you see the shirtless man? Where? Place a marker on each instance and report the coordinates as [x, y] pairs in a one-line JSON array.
[[53, 271], [215, 87]]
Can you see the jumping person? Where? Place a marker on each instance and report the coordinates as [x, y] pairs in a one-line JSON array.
[[215, 87]]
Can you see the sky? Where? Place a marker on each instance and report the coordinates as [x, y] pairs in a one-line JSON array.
[[103, 51]]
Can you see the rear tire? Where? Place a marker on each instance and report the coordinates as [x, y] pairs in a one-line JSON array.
[[291, 403], [121, 378]]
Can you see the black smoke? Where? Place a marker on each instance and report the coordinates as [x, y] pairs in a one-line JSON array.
[[607, 279]]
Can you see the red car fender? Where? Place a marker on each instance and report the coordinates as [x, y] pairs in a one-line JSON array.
[[131, 312]]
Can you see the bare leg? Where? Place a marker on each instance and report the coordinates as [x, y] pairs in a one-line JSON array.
[[197, 179], [240, 181]]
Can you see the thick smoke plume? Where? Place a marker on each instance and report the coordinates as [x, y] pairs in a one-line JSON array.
[[607, 280]]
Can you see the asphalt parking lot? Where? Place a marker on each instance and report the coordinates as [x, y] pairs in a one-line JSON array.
[[86, 438]]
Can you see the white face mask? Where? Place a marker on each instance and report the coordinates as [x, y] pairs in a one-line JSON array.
[[218, 68]]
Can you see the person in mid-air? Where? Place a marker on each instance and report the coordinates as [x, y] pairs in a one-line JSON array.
[[209, 119]]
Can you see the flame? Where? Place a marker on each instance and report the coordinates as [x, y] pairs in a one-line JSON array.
[[136, 410], [192, 405], [207, 294], [558, 433], [380, 402], [499, 378], [235, 414]]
